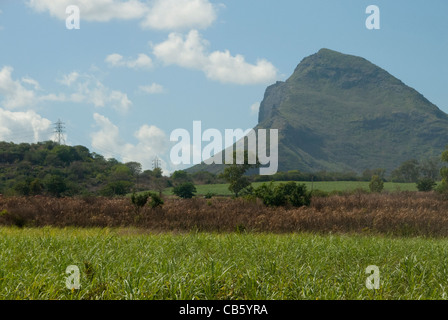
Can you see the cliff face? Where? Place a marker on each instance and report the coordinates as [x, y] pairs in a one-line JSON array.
[[340, 112]]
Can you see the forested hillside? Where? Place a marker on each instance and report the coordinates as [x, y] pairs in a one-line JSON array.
[[52, 169]]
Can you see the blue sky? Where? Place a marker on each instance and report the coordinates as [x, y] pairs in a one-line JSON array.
[[137, 70]]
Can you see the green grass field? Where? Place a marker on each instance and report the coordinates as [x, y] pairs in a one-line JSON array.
[[328, 186], [128, 264]]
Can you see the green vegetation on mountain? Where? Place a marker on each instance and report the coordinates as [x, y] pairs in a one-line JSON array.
[[340, 112]]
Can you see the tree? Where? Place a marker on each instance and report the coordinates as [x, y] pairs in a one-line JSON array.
[[35, 187], [159, 182], [430, 169], [185, 190], [376, 184], [22, 188], [65, 154], [78, 170], [116, 188], [204, 177], [121, 172], [179, 177], [283, 194], [426, 184], [234, 174], [139, 200], [408, 171], [157, 173], [156, 201], [134, 167], [56, 185], [444, 173], [368, 174]]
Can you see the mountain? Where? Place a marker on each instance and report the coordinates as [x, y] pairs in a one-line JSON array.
[[340, 112]]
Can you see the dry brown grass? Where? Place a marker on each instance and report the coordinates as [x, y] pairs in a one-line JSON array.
[[407, 213]]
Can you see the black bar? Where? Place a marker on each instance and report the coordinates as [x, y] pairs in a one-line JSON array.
[[220, 309]]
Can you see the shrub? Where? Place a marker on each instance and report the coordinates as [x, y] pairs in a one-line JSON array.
[[56, 185], [16, 219], [185, 190], [319, 193], [209, 195], [22, 188], [376, 184], [36, 187], [426, 184], [117, 188], [283, 194], [240, 229], [156, 200], [139, 200]]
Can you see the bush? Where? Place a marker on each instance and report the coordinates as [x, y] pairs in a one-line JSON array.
[[376, 184], [117, 188], [209, 195], [319, 193], [139, 200], [36, 187], [290, 193], [22, 188], [426, 184], [156, 200], [56, 185], [17, 219], [185, 190]]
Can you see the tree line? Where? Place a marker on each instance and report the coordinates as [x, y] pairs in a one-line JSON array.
[[47, 168]]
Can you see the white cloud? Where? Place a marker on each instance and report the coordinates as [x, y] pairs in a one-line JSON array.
[[15, 95], [53, 97], [180, 14], [114, 60], [108, 137], [24, 126], [120, 100], [142, 61], [152, 142], [188, 53], [151, 139], [88, 89], [69, 79], [191, 52], [97, 10], [155, 14], [255, 108], [32, 82], [153, 88]]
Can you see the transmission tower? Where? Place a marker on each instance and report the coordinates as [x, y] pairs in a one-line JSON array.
[[156, 163], [59, 131]]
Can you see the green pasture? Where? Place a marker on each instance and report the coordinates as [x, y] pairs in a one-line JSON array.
[[130, 264]]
